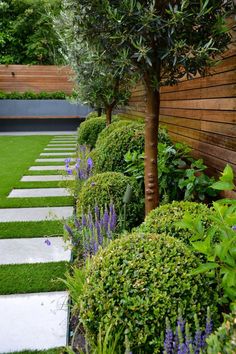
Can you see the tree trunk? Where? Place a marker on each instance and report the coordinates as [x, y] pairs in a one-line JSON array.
[[151, 141], [99, 112], [108, 114]]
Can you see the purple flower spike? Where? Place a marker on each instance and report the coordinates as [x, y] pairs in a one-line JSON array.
[[68, 229], [90, 164], [168, 338], [234, 228], [48, 243], [67, 161], [77, 223]]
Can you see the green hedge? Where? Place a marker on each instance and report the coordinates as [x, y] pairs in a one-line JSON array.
[[100, 189], [29, 95], [165, 217], [138, 281]]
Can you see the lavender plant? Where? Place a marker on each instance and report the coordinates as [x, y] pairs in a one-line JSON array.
[[182, 341], [82, 169], [92, 231]]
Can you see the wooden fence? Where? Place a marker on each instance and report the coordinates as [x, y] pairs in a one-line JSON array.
[[200, 112], [35, 78]]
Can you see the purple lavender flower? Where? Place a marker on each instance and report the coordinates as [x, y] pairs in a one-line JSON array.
[[97, 212], [77, 223], [69, 230], [90, 163], [168, 344], [106, 219], [48, 243], [93, 184], [234, 228], [69, 170]]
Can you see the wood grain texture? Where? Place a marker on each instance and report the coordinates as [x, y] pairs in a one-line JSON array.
[[200, 112], [35, 78]]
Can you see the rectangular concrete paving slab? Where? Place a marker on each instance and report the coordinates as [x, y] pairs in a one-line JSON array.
[[47, 168], [39, 192], [33, 321], [60, 148], [57, 154], [34, 250], [35, 214], [48, 178], [59, 159], [60, 145]]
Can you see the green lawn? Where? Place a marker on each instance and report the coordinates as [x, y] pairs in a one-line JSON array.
[[49, 351], [18, 153], [31, 229], [31, 278]]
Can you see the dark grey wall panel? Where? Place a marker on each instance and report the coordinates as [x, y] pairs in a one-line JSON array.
[[45, 124], [35, 108]]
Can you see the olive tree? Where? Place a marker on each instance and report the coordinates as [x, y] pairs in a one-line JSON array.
[[165, 40], [100, 80]]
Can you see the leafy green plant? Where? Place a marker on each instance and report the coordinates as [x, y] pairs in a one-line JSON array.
[[89, 130], [218, 242], [138, 281], [180, 176], [223, 340], [164, 219], [195, 183], [102, 188]]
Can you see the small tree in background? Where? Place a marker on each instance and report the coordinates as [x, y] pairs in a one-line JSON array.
[[101, 81], [165, 41]]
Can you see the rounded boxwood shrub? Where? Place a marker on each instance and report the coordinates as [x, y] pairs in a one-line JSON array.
[[116, 125], [137, 282], [91, 115], [100, 189], [165, 217], [109, 153], [88, 131]]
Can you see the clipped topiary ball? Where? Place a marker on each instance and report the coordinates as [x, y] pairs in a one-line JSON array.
[[116, 125], [88, 131], [165, 217], [100, 189], [138, 281], [109, 154], [92, 115]]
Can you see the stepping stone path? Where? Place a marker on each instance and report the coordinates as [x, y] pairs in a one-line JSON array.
[[37, 321]]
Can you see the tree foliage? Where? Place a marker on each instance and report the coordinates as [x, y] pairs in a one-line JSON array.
[[26, 32], [100, 81]]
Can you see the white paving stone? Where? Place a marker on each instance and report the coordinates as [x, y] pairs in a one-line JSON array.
[[59, 159], [33, 321], [47, 178], [57, 154], [35, 214], [61, 145], [39, 192], [65, 141], [34, 250], [47, 168], [61, 148]]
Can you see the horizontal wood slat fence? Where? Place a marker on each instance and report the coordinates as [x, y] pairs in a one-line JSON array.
[[35, 78], [200, 112]]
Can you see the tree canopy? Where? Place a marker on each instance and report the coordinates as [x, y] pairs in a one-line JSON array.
[[26, 32]]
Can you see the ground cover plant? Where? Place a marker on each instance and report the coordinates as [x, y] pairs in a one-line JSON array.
[[30, 278]]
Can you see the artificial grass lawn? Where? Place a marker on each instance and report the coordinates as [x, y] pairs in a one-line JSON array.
[[31, 229], [49, 351], [36, 202], [32, 278], [18, 153]]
